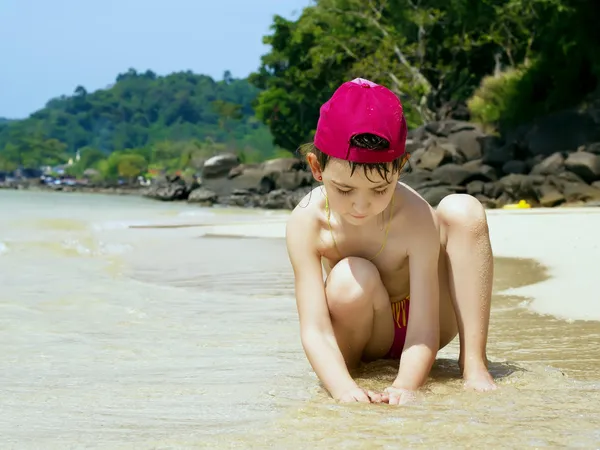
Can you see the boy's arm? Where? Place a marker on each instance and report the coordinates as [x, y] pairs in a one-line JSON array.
[[422, 335], [316, 331]]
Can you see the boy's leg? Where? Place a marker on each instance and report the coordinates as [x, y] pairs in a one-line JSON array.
[[360, 310], [470, 265]]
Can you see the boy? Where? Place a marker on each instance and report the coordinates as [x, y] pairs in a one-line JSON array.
[[387, 256]]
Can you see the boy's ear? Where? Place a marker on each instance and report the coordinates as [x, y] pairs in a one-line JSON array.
[[315, 167]]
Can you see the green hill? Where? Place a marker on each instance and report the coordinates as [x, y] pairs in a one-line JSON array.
[[166, 122]]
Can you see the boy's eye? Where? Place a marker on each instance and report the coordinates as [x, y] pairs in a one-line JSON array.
[[341, 191], [383, 191]]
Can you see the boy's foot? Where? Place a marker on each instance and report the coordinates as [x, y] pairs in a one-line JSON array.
[[476, 375], [479, 380]]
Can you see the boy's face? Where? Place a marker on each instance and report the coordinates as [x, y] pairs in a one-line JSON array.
[[357, 197]]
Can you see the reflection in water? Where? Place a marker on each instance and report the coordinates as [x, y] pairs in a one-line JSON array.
[[154, 338]]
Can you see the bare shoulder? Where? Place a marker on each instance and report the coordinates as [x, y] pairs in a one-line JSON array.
[[304, 224], [417, 216]]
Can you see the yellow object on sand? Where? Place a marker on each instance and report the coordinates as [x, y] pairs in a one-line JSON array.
[[521, 205]]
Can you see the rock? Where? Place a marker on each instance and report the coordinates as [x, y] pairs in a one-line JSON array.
[[415, 157], [533, 161], [492, 189], [485, 201], [514, 166], [550, 165], [417, 178], [457, 175], [454, 110], [412, 145], [445, 128], [434, 157], [280, 173], [549, 196], [497, 156], [202, 196], [468, 142], [278, 165], [519, 187], [580, 192], [169, 189], [475, 187], [487, 171], [417, 135], [434, 195], [219, 165], [584, 164], [239, 169], [276, 199], [567, 177], [456, 154], [591, 148]]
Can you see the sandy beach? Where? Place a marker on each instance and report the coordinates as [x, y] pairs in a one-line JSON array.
[[565, 240], [127, 323]]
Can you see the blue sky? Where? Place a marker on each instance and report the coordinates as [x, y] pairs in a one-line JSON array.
[[48, 47]]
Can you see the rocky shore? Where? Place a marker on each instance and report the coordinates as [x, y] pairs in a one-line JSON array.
[[553, 162]]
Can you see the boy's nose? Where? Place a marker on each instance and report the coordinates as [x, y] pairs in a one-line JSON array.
[[361, 207]]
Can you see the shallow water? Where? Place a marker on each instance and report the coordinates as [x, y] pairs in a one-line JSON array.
[[119, 337]]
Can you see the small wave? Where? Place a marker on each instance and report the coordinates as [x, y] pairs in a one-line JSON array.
[[196, 213], [77, 246], [114, 249], [3, 248], [119, 225], [92, 248]]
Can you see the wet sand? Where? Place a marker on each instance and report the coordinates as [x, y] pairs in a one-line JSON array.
[[114, 337], [543, 346]]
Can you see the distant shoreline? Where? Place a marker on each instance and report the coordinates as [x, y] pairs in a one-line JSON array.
[[140, 191], [112, 190]]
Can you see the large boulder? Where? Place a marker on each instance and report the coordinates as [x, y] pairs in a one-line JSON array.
[[202, 196], [219, 165], [585, 165], [552, 164], [455, 174], [261, 178], [169, 188]]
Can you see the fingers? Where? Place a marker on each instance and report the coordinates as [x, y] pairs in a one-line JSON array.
[[375, 397], [395, 398], [362, 397], [357, 395], [399, 396]]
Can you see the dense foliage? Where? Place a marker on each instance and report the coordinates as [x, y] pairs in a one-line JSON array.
[[508, 60], [143, 120], [433, 54]]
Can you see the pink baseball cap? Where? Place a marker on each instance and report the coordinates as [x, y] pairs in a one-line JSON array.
[[356, 107]]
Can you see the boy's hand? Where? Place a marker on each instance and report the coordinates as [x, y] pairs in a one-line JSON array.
[[398, 396], [360, 395]]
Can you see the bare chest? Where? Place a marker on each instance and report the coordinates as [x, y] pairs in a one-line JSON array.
[[387, 253]]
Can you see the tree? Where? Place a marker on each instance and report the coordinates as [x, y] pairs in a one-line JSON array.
[[131, 166], [142, 109], [430, 52]]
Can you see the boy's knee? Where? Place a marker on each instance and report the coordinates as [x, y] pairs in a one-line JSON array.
[[351, 285], [462, 210]]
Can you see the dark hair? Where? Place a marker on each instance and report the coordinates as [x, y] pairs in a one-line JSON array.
[[367, 141]]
